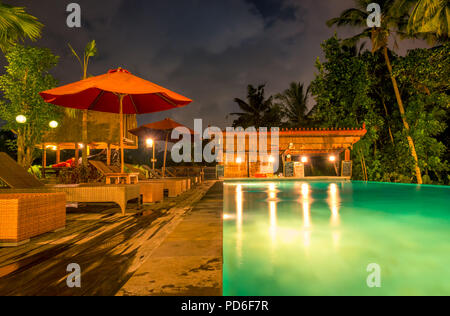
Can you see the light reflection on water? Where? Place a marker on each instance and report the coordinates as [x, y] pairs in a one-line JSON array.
[[333, 202], [239, 219], [307, 224], [299, 238]]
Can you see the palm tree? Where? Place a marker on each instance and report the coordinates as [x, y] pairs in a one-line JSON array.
[[394, 20], [430, 17], [255, 110], [89, 51], [294, 104], [17, 25]]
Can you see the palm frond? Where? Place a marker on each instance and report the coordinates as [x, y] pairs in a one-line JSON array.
[[350, 17], [16, 25]]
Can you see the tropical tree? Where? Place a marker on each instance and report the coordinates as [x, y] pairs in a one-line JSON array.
[[294, 104], [424, 75], [89, 51], [17, 25], [27, 74], [394, 19], [430, 17], [351, 89], [257, 111]]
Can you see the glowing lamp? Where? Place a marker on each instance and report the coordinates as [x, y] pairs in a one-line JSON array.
[[304, 159], [149, 142], [271, 159], [21, 119], [81, 146], [332, 158], [238, 160], [53, 124]]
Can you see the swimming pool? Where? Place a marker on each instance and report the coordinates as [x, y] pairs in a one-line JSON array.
[[319, 238]]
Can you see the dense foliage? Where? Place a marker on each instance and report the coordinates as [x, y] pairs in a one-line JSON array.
[[430, 17], [351, 89], [27, 74]]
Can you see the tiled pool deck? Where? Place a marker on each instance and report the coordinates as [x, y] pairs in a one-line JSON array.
[[189, 260], [178, 243]]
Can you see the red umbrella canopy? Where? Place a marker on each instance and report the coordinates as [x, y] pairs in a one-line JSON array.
[[159, 129], [100, 94]]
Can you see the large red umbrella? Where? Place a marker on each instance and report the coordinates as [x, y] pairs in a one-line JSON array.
[[160, 130], [117, 91]]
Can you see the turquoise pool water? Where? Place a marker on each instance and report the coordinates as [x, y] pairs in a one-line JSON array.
[[317, 238]]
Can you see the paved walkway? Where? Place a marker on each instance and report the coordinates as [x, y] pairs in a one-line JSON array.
[[189, 260]]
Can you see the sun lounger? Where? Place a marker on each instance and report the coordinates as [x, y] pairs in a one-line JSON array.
[[175, 186], [28, 184], [141, 173], [15, 176], [113, 175], [152, 191], [119, 194]]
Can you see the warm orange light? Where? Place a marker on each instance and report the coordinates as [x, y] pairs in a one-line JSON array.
[[332, 158], [81, 146], [304, 159], [149, 142], [271, 159], [238, 160]]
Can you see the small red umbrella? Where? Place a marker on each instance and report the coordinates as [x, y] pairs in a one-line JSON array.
[[117, 91], [164, 127]]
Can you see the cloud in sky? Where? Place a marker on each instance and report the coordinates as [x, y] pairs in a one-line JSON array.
[[207, 50]]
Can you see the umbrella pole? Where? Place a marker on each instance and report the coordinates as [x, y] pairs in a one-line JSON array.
[[84, 137], [165, 156], [122, 166]]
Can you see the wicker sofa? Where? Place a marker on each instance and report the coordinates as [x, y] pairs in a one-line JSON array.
[[27, 215]]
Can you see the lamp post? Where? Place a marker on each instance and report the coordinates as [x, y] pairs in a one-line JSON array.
[[151, 144], [52, 125]]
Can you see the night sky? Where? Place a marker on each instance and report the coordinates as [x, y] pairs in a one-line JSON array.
[[207, 50]]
